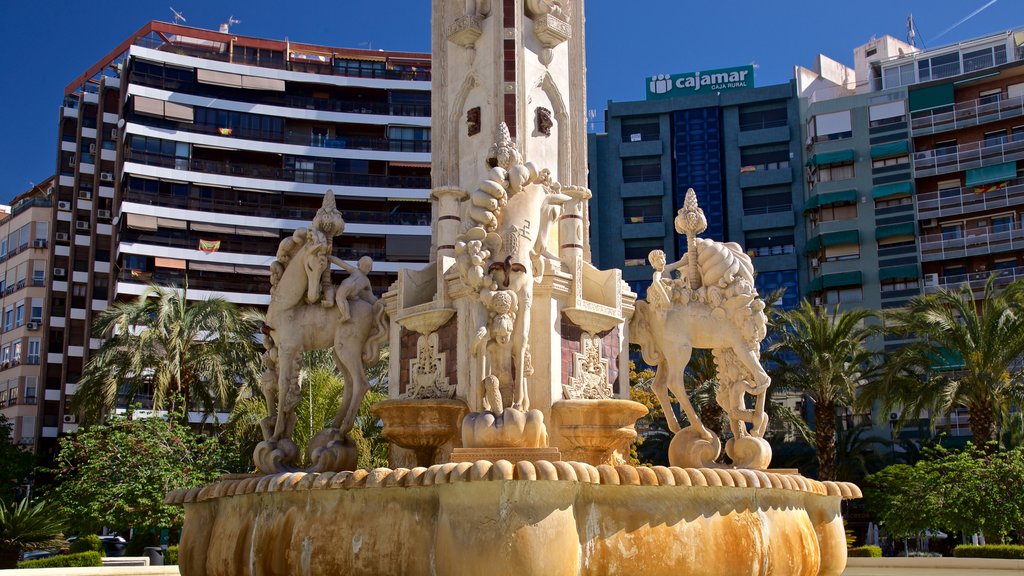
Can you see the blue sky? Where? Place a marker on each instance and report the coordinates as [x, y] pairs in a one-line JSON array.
[[47, 43]]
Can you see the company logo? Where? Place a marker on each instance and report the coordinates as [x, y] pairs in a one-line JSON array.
[[673, 85]]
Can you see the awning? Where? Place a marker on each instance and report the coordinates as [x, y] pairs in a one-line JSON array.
[[990, 174], [841, 197], [813, 245], [904, 229], [826, 158], [835, 281], [169, 263], [894, 189], [142, 222], [931, 97], [832, 239], [891, 149], [908, 272]]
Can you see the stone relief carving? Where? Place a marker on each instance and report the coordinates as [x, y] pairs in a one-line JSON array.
[[544, 122], [590, 372], [550, 24], [473, 121], [427, 371], [307, 312], [712, 304]]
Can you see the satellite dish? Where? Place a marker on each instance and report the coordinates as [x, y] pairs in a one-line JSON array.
[[178, 17]]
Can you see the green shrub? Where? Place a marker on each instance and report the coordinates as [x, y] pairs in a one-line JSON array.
[[65, 561], [865, 552], [171, 556], [1015, 552], [87, 543]]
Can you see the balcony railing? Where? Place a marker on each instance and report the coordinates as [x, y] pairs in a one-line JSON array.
[[643, 219], [977, 242], [976, 281], [262, 171], [963, 200], [964, 114], [766, 209], [968, 156]]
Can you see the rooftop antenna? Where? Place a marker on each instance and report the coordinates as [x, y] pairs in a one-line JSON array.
[[225, 28], [178, 18], [911, 35]]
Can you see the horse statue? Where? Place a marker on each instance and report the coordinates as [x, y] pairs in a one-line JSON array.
[[304, 316], [712, 305]]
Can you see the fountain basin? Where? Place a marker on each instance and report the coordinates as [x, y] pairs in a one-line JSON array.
[[596, 431], [422, 425], [543, 518]]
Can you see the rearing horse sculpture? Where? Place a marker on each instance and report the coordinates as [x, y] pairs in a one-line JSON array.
[[297, 321]]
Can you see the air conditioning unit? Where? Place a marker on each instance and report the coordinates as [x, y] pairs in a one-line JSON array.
[[113, 133], [39, 243], [32, 326], [70, 419], [106, 177], [72, 159], [81, 225], [92, 148], [817, 300], [929, 223], [59, 272], [815, 263], [85, 194], [103, 214], [62, 236], [63, 205], [931, 279]]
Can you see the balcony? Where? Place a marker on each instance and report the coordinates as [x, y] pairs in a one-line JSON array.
[[264, 172], [976, 281], [968, 156], [964, 114], [978, 242], [964, 200]]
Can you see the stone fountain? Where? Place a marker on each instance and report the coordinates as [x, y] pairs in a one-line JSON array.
[[508, 415]]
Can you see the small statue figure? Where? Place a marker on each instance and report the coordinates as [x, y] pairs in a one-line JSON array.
[[355, 287]]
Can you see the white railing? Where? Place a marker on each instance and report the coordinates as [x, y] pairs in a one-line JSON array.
[[963, 114], [948, 203], [976, 281], [975, 242], [967, 156]]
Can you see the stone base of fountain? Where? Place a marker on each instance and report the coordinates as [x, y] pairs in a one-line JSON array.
[[542, 518]]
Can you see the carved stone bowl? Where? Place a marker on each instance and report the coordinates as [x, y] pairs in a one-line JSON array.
[[422, 426], [596, 431]]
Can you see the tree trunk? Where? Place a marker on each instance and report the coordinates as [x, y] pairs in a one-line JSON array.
[[9, 558], [983, 426], [825, 438]]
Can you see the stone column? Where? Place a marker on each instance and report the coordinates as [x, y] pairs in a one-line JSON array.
[[570, 225], [447, 199]]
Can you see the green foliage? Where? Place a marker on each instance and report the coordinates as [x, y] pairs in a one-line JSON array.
[[171, 556], [967, 491], [966, 355], [82, 559], [190, 352], [824, 354], [1013, 552], [15, 463], [865, 552], [28, 526], [141, 540], [117, 474], [87, 543]]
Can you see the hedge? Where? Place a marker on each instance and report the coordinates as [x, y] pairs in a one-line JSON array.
[[65, 561], [171, 556], [87, 543], [1015, 552], [865, 552]]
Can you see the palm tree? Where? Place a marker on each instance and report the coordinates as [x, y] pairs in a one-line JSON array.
[[186, 354], [825, 356], [26, 526], [967, 353]]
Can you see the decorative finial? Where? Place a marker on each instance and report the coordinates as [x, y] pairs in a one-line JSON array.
[[691, 221], [328, 219], [504, 152]]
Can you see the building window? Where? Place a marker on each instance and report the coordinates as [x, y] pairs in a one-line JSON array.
[[763, 158], [642, 210], [832, 212], [897, 285], [636, 251], [1002, 223], [842, 252], [761, 119], [834, 172], [990, 96], [884, 162], [33, 351], [833, 126], [892, 202], [775, 242], [844, 295], [994, 138], [767, 200], [937, 67], [37, 310], [953, 231], [646, 169], [9, 318], [19, 314], [641, 129]]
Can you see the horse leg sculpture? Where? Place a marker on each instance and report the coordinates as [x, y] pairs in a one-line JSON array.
[[350, 363], [660, 387]]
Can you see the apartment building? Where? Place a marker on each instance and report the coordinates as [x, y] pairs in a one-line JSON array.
[[738, 148], [24, 254], [188, 154]]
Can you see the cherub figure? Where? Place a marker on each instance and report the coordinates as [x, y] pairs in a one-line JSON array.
[[355, 287]]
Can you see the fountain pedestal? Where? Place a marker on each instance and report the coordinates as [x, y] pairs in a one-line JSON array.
[[422, 426]]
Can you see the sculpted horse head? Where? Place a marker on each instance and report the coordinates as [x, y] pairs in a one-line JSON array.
[[300, 279]]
